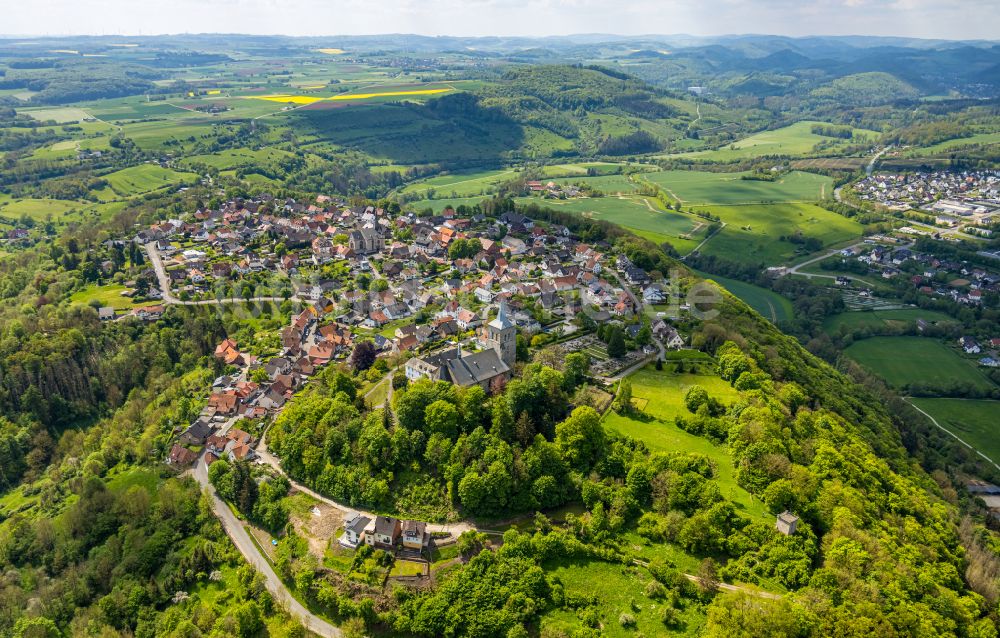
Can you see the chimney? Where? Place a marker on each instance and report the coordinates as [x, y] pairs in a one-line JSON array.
[[458, 345]]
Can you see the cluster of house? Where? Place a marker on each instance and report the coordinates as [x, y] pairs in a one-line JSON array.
[[959, 281], [514, 261], [967, 198], [971, 345], [551, 189], [307, 343], [386, 533]]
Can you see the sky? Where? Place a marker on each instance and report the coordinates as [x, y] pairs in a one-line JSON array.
[[947, 19]]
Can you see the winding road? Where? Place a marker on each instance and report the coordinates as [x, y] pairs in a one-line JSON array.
[[234, 528], [156, 260]]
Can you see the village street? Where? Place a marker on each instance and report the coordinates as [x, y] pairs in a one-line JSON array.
[[156, 260]]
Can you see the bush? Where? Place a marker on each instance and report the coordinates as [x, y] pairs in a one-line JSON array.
[[626, 620]]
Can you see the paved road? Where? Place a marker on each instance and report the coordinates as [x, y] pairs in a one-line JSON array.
[[168, 298], [246, 545]]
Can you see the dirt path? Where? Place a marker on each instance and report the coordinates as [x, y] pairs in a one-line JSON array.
[[949, 432]]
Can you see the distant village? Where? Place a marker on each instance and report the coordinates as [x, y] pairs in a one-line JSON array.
[[968, 199]]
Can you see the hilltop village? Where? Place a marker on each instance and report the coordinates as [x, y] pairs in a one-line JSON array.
[[446, 297]]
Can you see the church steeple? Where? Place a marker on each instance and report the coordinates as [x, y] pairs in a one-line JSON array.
[[502, 334]]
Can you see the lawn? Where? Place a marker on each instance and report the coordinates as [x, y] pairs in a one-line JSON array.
[[795, 139], [974, 421], [699, 187], [753, 232], [619, 589], [767, 302], [879, 319], [144, 178], [407, 568], [109, 295], [902, 361], [661, 396]]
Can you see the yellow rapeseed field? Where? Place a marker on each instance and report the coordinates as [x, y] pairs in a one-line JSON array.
[[308, 99]]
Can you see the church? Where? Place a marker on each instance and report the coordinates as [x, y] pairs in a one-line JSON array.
[[464, 369]]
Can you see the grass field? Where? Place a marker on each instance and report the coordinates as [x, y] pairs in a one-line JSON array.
[[109, 295], [902, 361], [663, 393], [699, 187], [616, 588], [948, 145], [796, 139], [974, 421], [607, 184], [460, 184], [881, 319], [641, 215], [770, 304], [37, 209], [144, 178], [753, 231], [60, 115]]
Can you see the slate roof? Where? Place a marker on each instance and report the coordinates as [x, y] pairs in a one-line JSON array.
[[476, 368]]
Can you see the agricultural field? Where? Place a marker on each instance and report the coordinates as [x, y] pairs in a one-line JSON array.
[[752, 233], [607, 184], [881, 319], [700, 188], [768, 303], [642, 215], [460, 184], [60, 115], [37, 209], [661, 396], [144, 178], [903, 361], [948, 145], [795, 139], [974, 421]]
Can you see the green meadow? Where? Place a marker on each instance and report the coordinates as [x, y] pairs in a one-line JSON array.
[[879, 319], [700, 187], [903, 361], [460, 184], [753, 232], [144, 178], [795, 139], [974, 421], [660, 394], [768, 303], [642, 215], [949, 145]]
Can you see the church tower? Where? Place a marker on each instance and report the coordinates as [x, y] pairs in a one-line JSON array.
[[502, 333]]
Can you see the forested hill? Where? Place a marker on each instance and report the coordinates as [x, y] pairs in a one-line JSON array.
[[887, 558]]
